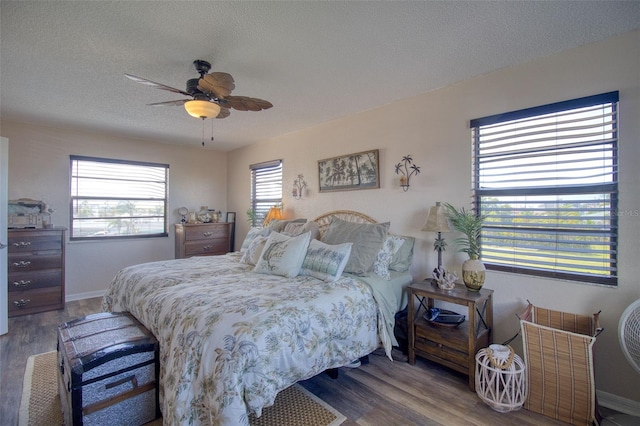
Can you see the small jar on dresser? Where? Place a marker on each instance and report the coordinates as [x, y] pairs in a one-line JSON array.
[[202, 239], [36, 266]]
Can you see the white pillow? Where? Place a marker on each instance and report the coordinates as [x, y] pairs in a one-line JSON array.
[[283, 255], [252, 234], [325, 261], [390, 247], [252, 254]]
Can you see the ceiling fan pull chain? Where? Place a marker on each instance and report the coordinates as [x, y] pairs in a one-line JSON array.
[[202, 131]]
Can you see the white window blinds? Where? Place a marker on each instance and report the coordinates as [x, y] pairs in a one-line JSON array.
[[266, 188], [117, 198], [546, 178]]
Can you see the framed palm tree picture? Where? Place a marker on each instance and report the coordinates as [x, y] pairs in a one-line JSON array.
[[349, 172]]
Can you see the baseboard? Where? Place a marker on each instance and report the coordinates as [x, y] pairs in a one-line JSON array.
[[618, 403], [87, 295]]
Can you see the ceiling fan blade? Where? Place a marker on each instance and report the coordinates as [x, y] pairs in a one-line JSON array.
[[224, 112], [220, 84], [156, 85], [169, 103], [245, 103]]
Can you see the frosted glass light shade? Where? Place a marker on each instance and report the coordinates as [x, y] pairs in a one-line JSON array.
[[202, 109]]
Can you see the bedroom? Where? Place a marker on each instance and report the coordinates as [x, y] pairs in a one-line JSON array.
[[433, 127]]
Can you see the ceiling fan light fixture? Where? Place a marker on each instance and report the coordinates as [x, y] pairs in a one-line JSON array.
[[202, 109]]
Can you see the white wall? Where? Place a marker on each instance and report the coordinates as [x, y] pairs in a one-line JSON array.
[[434, 128], [39, 169]]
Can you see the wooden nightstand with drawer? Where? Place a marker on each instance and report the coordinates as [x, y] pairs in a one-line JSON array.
[[202, 239], [454, 347], [35, 270]]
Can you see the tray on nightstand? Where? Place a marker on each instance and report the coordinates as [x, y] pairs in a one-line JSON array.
[[443, 317]]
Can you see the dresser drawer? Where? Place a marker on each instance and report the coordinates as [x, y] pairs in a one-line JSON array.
[[207, 247], [34, 241], [32, 301], [21, 263], [205, 232], [35, 279], [460, 359]]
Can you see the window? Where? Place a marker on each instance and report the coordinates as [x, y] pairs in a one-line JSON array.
[[117, 199], [266, 189], [546, 179]]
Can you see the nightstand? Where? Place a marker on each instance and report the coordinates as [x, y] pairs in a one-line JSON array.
[[453, 347]]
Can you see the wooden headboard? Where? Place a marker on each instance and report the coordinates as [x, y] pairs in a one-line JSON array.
[[324, 220]]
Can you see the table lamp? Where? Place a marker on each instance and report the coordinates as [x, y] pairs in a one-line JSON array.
[[437, 222], [275, 213]]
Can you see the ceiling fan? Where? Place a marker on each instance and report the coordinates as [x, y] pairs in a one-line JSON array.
[[210, 94]]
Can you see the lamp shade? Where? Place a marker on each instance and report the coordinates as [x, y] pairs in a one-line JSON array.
[[202, 109], [275, 213], [437, 220]]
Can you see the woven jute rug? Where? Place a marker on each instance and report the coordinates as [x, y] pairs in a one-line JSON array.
[[40, 405]]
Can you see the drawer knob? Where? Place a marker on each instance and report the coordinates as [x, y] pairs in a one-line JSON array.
[[22, 244], [207, 234], [22, 264], [207, 248], [21, 303], [22, 283]]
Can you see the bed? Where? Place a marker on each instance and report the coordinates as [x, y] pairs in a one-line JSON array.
[[236, 330]]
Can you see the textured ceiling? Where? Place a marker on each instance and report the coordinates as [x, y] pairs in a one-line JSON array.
[[63, 62]]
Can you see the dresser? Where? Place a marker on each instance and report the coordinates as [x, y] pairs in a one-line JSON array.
[[36, 270], [202, 239]]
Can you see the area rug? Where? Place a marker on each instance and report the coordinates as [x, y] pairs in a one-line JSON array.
[[40, 405]]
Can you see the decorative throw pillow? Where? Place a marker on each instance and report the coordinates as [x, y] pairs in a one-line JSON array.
[[252, 254], [283, 255], [278, 225], [367, 239], [325, 261], [297, 228], [252, 234], [401, 261], [390, 247]]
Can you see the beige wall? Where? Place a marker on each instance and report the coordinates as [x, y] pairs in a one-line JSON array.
[[39, 169], [434, 128]]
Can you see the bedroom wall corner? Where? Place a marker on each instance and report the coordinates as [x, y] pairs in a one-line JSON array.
[[39, 169]]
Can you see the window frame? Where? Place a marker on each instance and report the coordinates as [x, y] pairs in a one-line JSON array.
[[609, 190], [261, 206], [74, 198]]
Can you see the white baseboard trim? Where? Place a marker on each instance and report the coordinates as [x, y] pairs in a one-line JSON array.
[[618, 403], [87, 295]]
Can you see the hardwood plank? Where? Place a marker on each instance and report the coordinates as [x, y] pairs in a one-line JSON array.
[[379, 393]]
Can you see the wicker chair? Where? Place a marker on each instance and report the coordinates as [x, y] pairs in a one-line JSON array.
[[558, 353]]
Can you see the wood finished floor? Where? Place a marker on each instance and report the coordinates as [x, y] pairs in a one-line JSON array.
[[380, 393]]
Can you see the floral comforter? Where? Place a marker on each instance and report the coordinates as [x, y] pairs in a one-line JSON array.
[[231, 339]]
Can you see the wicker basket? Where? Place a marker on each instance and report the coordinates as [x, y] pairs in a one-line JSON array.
[[558, 354], [500, 378]]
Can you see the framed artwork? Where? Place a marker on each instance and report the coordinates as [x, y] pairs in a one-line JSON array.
[[231, 217], [349, 172]]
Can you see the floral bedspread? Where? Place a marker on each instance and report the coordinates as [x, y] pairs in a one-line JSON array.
[[231, 339]]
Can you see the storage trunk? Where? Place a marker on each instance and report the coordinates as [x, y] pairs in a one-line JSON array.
[[109, 369]]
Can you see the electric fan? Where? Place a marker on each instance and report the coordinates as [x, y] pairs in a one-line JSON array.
[[629, 335]]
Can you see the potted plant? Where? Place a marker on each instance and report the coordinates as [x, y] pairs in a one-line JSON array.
[[470, 224]]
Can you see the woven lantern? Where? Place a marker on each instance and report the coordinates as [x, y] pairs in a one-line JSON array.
[[500, 378]]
